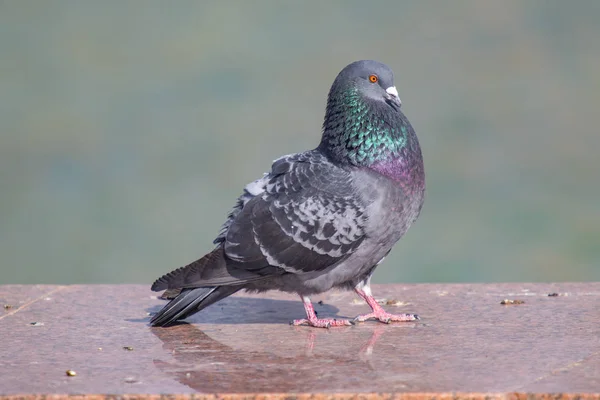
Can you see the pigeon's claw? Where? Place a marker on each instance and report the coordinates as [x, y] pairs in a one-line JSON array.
[[312, 320], [363, 289], [386, 318], [322, 322]]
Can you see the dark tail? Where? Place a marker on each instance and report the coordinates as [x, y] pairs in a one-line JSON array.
[[202, 283], [189, 302], [210, 271]]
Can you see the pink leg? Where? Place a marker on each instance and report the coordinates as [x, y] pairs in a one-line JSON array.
[[312, 320], [364, 291]]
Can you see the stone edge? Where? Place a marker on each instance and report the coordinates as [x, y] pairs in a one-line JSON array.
[[313, 396]]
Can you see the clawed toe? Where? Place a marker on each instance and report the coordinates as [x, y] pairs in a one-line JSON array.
[[321, 323]]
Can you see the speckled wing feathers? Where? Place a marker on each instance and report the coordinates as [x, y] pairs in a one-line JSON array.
[[306, 218], [252, 189]]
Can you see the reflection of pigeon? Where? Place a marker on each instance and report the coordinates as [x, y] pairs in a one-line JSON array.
[[218, 361], [320, 219]]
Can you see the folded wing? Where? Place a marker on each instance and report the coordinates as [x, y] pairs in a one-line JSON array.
[[307, 218]]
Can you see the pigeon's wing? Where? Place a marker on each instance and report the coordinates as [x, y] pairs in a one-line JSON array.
[[250, 191], [307, 218]]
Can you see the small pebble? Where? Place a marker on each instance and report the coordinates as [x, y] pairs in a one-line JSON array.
[[130, 379], [552, 294], [7, 306], [506, 302], [70, 372], [128, 348], [36, 323], [396, 303], [320, 302]]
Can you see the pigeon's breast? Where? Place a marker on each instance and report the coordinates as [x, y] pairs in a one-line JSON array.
[[407, 172], [395, 195]]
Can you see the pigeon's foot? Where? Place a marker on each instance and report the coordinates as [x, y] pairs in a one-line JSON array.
[[386, 317], [322, 322], [363, 289], [312, 320]]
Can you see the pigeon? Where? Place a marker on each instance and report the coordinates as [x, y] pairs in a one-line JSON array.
[[321, 219]]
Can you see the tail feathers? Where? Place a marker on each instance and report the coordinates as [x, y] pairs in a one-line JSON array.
[[211, 270], [189, 302]]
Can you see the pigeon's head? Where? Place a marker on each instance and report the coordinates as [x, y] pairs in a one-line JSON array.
[[371, 79], [363, 123]]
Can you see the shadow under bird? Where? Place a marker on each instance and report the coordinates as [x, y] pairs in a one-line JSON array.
[[321, 219]]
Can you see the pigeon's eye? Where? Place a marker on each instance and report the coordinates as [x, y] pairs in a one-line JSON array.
[[373, 78]]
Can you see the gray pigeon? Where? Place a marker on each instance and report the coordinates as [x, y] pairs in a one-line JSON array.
[[321, 219]]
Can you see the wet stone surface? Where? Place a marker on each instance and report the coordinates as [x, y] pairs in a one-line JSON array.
[[466, 341]]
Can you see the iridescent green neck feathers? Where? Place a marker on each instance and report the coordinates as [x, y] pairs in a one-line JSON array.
[[360, 131]]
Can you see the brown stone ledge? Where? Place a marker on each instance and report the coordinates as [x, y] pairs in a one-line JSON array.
[[467, 345]]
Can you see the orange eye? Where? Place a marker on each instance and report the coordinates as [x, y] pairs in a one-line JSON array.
[[373, 78]]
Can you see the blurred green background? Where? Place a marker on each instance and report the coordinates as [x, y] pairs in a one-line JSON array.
[[128, 128]]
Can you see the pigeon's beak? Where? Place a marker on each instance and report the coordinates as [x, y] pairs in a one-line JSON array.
[[392, 95]]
